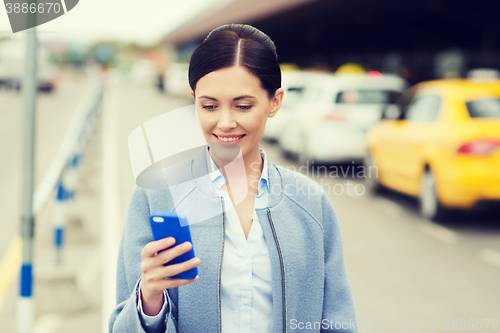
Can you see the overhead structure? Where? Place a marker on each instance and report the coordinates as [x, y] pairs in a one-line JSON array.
[[236, 11], [420, 39]]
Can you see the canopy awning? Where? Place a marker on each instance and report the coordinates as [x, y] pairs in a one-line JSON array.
[[237, 11]]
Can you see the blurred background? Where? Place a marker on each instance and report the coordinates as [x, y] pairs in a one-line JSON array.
[[393, 107]]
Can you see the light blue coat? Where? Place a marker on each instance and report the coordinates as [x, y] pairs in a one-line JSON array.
[[311, 291]]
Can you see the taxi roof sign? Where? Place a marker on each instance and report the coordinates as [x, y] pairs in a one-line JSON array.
[[350, 68]]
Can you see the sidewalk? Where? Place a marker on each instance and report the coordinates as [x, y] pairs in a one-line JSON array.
[[68, 294]]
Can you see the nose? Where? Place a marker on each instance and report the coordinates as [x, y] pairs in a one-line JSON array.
[[226, 121]]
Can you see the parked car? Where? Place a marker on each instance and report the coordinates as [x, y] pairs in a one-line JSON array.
[[47, 78], [6, 74], [294, 83], [441, 144], [337, 111], [12, 67], [143, 73]]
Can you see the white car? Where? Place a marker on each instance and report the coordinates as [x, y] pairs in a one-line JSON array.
[[331, 123], [143, 73], [294, 83], [176, 80]]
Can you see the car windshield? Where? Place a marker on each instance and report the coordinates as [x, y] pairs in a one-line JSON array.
[[365, 96], [484, 108]]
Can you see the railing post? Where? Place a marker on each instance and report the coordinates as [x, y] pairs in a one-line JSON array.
[[60, 176], [25, 306], [65, 198], [59, 214]]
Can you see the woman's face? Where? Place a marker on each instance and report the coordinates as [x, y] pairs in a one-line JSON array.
[[233, 108]]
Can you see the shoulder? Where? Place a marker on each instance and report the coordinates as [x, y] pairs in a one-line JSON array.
[[297, 186], [303, 192], [180, 172], [158, 183], [303, 197]]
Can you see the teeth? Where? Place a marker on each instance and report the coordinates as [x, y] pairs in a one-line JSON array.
[[230, 139]]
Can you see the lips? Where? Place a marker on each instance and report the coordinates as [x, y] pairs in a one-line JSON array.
[[229, 140]]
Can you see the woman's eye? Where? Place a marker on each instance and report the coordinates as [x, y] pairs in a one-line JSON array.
[[244, 107], [208, 107]]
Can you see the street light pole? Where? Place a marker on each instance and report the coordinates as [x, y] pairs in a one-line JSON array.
[[25, 306]]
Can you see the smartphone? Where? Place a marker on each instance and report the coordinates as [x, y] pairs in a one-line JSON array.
[[170, 224]]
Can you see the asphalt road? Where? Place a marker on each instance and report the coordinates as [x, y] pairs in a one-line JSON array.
[[407, 274], [53, 116], [405, 269]]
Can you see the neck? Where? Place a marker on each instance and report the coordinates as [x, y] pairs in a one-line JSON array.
[[253, 166]]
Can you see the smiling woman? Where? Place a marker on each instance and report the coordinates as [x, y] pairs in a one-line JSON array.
[[271, 255], [236, 82], [229, 118]]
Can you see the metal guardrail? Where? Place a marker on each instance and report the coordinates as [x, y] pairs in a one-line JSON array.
[[70, 151], [59, 179]]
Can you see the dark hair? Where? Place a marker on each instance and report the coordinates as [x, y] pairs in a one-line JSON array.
[[237, 44]]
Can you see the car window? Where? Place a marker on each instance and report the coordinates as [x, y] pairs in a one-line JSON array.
[[405, 99], [423, 108], [365, 96], [484, 108], [293, 95], [312, 94]]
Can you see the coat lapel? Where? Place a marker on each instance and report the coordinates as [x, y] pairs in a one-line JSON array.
[[196, 198]]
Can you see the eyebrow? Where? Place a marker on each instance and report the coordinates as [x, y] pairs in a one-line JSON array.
[[234, 99]]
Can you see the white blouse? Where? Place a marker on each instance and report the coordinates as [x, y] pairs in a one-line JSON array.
[[247, 303]]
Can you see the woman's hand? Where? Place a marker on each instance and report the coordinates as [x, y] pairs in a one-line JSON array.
[[154, 274]]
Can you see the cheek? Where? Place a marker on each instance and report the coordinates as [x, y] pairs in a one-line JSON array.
[[258, 123], [206, 122]]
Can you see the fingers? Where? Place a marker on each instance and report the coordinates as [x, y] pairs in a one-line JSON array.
[[168, 255], [152, 248], [162, 272], [158, 279], [172, 270], [156, 276], [152, 264]]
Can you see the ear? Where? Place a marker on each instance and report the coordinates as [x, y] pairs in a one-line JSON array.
[[276, 102], [192, 93]]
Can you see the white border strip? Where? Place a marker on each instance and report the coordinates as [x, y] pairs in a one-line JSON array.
[[49, 323], [490, 256], [64, 6], [440, 233], [110, 211]]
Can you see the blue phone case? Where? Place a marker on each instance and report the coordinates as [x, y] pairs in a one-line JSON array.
[[174, 225]]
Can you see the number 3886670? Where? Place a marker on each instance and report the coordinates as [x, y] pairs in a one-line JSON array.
[[48, 7], [470, 324]]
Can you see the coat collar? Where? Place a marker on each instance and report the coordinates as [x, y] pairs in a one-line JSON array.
[[200, 175]]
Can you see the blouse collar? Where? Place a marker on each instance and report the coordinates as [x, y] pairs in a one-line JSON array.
[[218, 179]]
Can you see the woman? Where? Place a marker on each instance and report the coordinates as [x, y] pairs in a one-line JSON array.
[[267, 240]]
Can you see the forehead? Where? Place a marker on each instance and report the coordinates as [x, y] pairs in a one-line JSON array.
[[229, 81]]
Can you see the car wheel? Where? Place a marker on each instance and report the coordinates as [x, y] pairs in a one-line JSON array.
[[371, 182], [429, 206]]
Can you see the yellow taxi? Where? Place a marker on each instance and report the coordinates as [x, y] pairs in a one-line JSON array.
[[441, 144]]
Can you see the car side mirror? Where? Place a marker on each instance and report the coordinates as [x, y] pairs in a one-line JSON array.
[[392, 112]]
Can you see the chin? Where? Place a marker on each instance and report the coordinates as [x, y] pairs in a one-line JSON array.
[[224, 153]]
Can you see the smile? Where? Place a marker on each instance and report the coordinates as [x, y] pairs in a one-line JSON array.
[[229, 138]]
